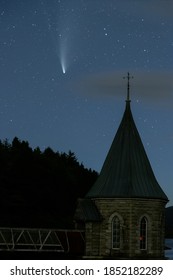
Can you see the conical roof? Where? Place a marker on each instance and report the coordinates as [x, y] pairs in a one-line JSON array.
[[126, 172]]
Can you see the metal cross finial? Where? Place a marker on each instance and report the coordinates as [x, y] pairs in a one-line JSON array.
[[128, 85]]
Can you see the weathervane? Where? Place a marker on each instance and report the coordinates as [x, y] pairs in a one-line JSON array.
[[128, 85]]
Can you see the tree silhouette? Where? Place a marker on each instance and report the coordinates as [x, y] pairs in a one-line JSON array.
[[40, 189]]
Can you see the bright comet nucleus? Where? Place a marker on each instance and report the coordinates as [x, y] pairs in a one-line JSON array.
[[63, 64], [63, 68], [63, 61]]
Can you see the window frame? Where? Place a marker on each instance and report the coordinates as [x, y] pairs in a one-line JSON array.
[[143, 233], [116, 232]]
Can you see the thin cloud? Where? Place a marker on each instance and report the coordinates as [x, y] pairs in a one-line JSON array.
[[156, 8], [149, 86]]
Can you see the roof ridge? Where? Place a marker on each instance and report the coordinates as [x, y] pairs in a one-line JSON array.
[[127, 171]]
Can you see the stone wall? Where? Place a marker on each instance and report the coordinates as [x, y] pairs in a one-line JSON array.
[[129, 211]]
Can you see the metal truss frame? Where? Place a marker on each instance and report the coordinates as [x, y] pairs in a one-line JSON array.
[[28, 239]]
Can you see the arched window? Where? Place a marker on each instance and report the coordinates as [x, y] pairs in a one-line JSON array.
[[143, 234], [116, 232]]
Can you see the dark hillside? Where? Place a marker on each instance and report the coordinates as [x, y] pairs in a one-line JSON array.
[[169, 222], [39, 189]]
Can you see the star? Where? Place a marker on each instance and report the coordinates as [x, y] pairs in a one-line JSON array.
[[99, 44]]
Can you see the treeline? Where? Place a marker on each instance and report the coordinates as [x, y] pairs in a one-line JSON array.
[[40, 188], [169, 222]]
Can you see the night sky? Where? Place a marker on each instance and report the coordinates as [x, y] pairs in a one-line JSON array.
[[62, 64]]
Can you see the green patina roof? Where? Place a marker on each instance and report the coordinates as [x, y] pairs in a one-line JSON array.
[[127, 172]]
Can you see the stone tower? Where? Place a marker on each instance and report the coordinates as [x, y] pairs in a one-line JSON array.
[[124, 212]]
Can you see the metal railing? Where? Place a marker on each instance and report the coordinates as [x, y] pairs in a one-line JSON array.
[[30, 239]]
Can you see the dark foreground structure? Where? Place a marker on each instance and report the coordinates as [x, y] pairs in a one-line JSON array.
[[123, 214], [32, 243]]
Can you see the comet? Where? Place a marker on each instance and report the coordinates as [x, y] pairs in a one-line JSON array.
[[63, 59], [63, 65], [63, 69], [63, 53]]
